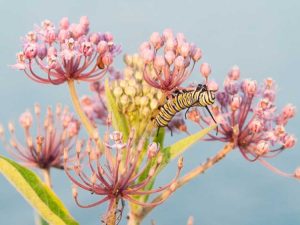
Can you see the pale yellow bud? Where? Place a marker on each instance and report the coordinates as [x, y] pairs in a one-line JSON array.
[[123, 83], [128, 73], [144, 100], [153, 104], [135, 59], [146, 111], [130, 90], [132, 82], [118, 91], [138, 75], [146, 89], [128, 59], [124, 100], [137, 100], [159, 94]]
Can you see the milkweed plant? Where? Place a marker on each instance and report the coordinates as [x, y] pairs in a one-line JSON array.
[[125, 120]]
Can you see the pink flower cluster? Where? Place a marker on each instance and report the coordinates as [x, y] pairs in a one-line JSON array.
[[250, 108], [175, 63], [113, 178], [70, 52], [54, 134]]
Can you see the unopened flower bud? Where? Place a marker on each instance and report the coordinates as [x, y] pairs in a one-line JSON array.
[[11, 127], [279, 131], [153, 149], [297, 173], [64, 23], [74, 192], [168, 33], [205, 70], [234, 73], [197, 54], [26, 119], [190, 221], [289, 141], [144, 100], [250, 87], [118, 91], [212, 86], [262, 148], [180, 163], [128, 59], [236, 102], [155, 40], [131, 91], [289, 111], [256, 126], [124, 100], [170, 56], [151, 172], [179, 62], [102, 47], [30, 51], [117, 136], [107, 59], [153, 104], [138, 75], [185, 49]]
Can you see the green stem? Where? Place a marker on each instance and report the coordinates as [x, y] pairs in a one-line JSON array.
[[76, 103], [188, 177], [47, 177]]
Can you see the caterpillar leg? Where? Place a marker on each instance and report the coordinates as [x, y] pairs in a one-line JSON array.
[[213, 119], [186, 112], [157, 131], [170, 130]]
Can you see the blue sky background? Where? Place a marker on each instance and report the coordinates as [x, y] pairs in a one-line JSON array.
[[262, 37]]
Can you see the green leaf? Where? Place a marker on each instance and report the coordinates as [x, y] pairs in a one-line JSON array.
[[119, 120], [39, 220], [41, 198], [173, 151]]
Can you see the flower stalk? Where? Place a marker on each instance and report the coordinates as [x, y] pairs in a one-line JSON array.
[[83, 118], [47, 177], [185, 179]]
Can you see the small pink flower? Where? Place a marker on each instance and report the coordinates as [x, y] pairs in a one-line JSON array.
[[115, 173], [153, 150], [245, 105], [55, 133], [179, 57], [205, 70], [69, 52]]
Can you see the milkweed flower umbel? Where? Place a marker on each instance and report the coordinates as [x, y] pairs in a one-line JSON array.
[[44, 149], [169, 60], [68, 52], [115, 172], [251, 109]]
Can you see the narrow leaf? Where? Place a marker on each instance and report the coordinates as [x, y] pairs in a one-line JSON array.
[[180, 146], [119, 120], [41, 198]]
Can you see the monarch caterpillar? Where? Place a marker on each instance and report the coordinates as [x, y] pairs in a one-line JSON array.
[[181, 100]]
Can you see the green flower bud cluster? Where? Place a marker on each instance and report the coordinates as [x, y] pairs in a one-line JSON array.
[[136, 99]]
